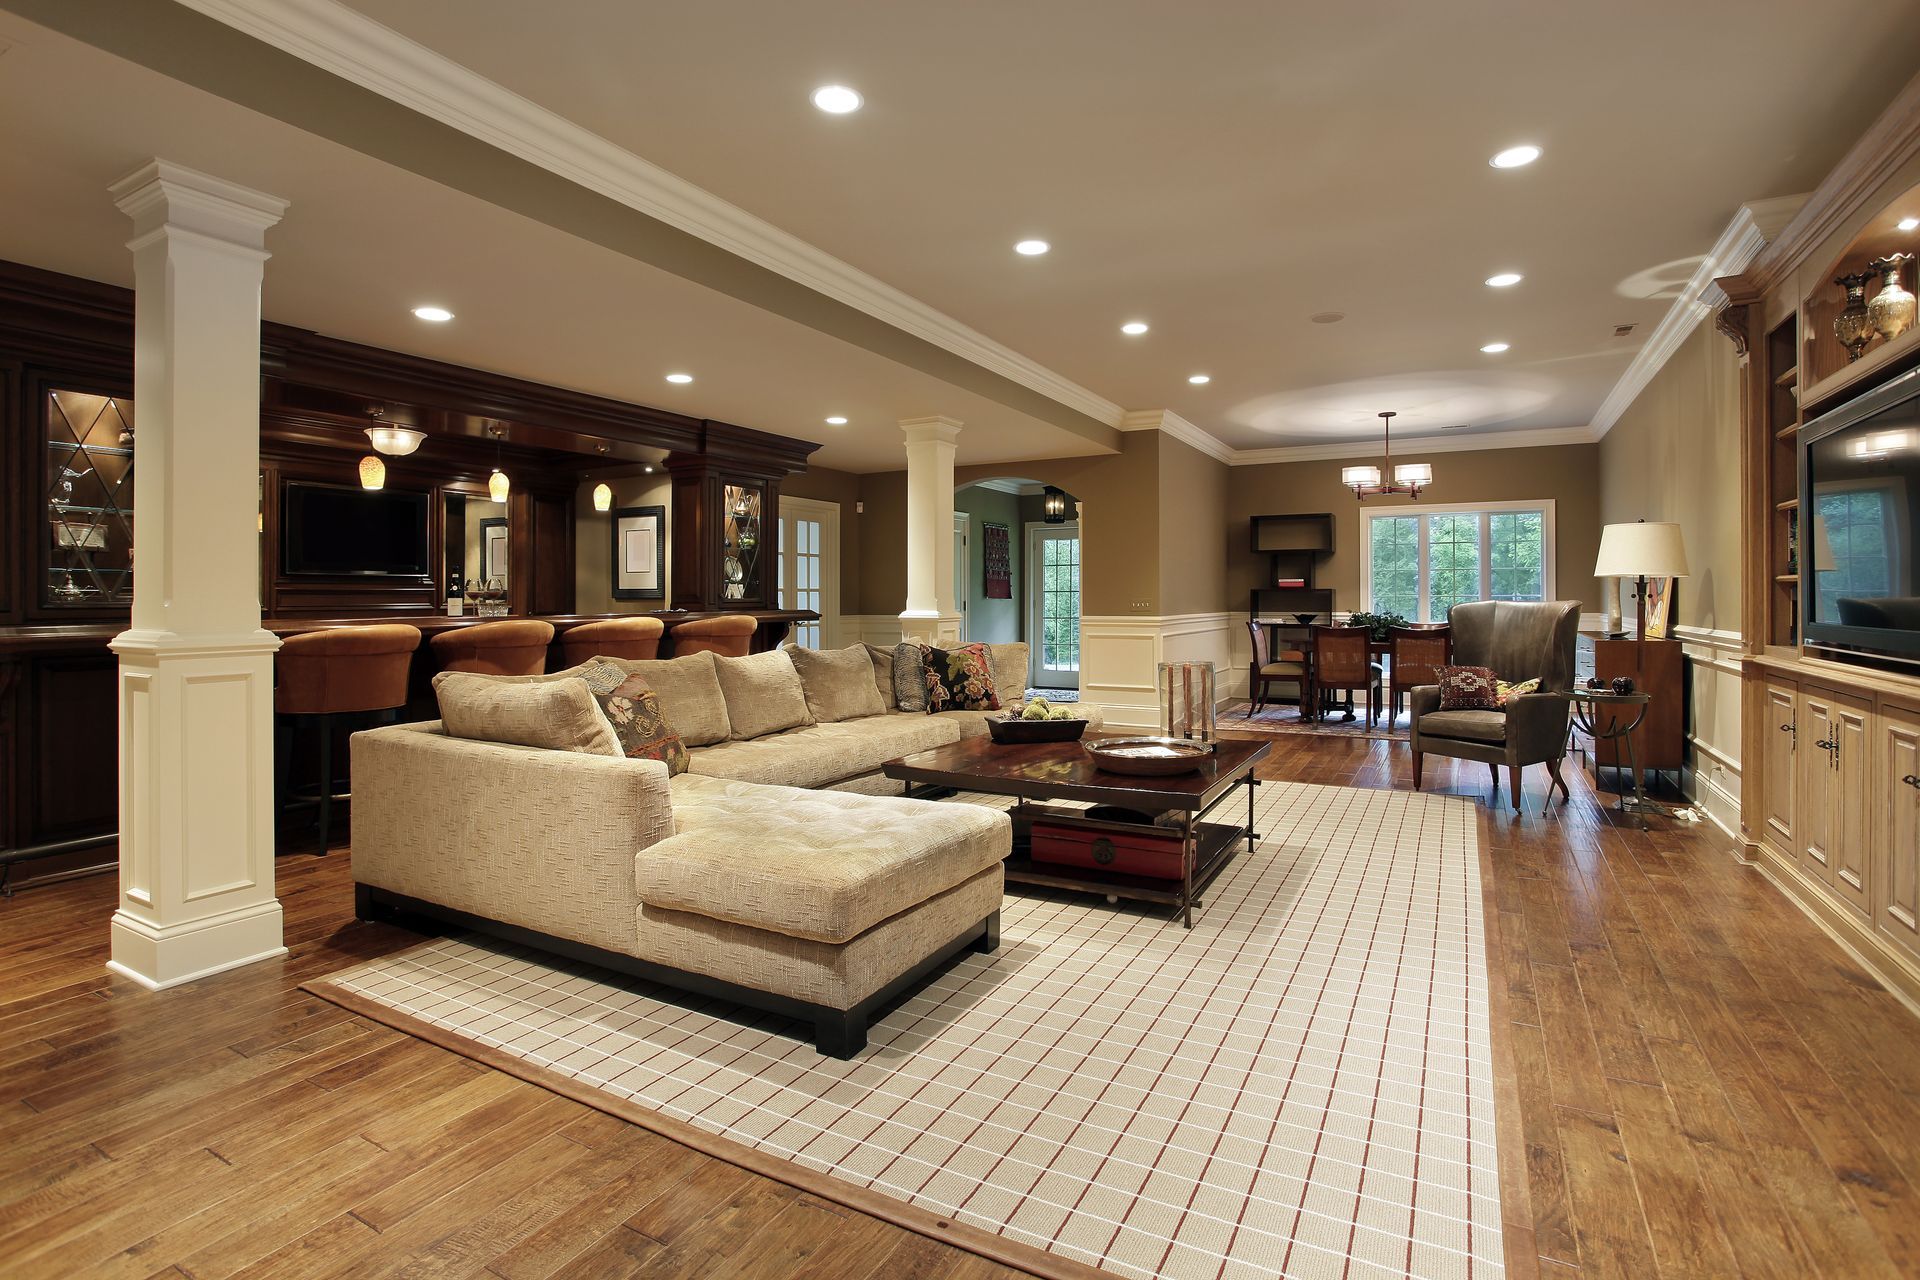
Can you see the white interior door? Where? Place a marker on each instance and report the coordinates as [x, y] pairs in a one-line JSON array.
[[810, 568], [962, 573], [1053, 605]]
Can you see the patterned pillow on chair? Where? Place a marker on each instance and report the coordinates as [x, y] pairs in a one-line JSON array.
[[633, 708], [1508, 692], [959, 679], [1468, 689]]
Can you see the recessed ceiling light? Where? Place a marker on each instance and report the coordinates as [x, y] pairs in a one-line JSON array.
[[439, 315], [679, 377], [1505, 280], [836, 99], [1032, 248], [1495, 348], [1515, 157], [836, 421], [1909, 224], [1327, 317], [1200, 379], [1134, 328]]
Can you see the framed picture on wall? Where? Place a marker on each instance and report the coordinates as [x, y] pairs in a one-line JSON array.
[[1659, 606], [493, 550], [639, 553]]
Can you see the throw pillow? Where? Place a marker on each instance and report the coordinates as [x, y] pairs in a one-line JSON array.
[[838, 683], [689, 692], [909, 676], [883, 675], [633, 709], [1468, 689], [1008, 663], [763, 694], [555, 715], [959, 679], [1507, 692]]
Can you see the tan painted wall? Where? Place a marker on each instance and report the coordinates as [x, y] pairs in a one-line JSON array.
[[1675, 455], [1568, 474], [593, 541], [1193, 543]]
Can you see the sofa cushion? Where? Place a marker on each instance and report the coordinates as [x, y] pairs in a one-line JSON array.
[[959, 679], [689, 689], [1008, 663], [838, 683], [821, 754], [556, 715], [763, 692], [883, 675], [910, 676], [639, 722], [1474, 725], [823, 865]]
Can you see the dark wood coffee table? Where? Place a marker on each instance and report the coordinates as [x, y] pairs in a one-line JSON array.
[[1056, 771]]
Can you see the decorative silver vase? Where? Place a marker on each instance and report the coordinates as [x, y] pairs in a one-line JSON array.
[[1854, 326], [1892, 309]]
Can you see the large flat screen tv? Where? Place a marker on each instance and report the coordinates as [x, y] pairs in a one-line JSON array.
[[338, 530], [1859, 513]]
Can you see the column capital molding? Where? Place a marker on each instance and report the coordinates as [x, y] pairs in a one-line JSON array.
[[937, 429], [163, 195]]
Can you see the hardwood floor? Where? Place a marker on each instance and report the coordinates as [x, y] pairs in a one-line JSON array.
[[1695, 1082]]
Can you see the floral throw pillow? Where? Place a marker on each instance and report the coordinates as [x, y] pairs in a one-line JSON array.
[[1508, 692], [1469, 689], [633, 708], [959, 679]]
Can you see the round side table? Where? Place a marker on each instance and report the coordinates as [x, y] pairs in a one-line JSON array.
[[1601, 716]]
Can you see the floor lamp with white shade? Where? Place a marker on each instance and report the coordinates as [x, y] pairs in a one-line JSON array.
[[1641, 550]]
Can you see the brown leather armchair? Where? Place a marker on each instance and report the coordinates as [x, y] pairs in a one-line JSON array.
[[1519, 640]]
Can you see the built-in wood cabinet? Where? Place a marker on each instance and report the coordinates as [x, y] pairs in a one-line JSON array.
[[1898, 775], [1780, 761], [1814, 784]]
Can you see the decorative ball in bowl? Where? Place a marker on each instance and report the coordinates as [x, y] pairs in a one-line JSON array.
[[1037, 721]]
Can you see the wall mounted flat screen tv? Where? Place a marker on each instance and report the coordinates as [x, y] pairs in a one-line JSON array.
[[1859, 519], [342, 530]]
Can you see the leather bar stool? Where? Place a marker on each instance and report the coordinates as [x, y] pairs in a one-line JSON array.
[[634, 639], [514, 647], [730, 635], [320, 676]]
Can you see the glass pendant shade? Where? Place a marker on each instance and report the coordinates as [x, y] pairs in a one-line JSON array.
[[395, 442], [497, 485], [602, 497], [1357, 477], [1415, 473], [373, 473]]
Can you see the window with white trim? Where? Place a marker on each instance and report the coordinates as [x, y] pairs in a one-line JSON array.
[[1420, 562]]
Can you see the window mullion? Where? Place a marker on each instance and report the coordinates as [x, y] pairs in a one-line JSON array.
[[1486, 554], [1425, 596]]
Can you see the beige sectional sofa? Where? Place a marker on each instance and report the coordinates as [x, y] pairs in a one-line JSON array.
[[772, 873]]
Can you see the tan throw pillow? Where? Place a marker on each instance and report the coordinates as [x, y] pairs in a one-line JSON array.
[[1008, 662], [763, 694], [883, 675], [558, 715], [690, 697], [838, 683]]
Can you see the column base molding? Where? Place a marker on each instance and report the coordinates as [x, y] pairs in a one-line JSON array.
[[162, 956]]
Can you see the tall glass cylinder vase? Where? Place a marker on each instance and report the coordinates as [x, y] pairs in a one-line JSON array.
[[1186, 700]]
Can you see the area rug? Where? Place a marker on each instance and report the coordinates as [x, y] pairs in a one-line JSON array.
[[1300, 1086], [1285, 719]]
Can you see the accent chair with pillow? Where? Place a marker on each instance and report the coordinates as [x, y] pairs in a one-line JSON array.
[[1509, 642]]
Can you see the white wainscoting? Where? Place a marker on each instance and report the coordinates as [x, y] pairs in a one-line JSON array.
[[881, 629], [1712, 776], [1120, 657]]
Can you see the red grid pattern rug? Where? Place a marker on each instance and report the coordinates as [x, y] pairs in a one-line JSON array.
[[1302, 1085]]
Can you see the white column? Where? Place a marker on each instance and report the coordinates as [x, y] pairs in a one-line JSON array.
[[196, 668], [933, 610]]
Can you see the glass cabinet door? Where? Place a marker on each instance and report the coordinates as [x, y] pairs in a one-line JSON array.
[[89, 494], [743, 551]]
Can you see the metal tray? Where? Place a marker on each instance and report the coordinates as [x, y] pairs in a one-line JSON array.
[[1149, 757]]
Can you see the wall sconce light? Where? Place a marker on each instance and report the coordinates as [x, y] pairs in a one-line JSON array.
[[373, 473], [603, 497], [1053, 505]]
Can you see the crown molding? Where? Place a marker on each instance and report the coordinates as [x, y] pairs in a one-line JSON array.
[[1751, 227], [1417, 446], [1180, 429], [1018, 488], [354, 47]]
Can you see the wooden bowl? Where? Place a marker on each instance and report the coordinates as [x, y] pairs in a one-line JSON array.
[[1011, 729], [1149, 757]]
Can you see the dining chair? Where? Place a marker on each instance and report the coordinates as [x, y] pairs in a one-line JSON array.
[[1263, 670], [1415, 655], [1342, 660]]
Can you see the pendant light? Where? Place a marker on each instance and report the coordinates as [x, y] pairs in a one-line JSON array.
[[373, 473], [497, 483], [603, 497], [395, 442], [1408, 478]]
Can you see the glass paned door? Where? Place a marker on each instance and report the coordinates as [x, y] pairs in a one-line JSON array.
[[801, 549], [1055, 616]]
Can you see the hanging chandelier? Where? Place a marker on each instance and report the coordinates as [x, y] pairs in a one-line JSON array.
[[1408, 478], [386, 438]]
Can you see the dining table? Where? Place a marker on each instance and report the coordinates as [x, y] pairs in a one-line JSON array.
[[1279, 629]]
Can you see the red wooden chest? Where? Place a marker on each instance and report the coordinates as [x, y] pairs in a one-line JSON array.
[[1150, 851]]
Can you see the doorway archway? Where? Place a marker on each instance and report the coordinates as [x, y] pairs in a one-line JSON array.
[[1017, 574]]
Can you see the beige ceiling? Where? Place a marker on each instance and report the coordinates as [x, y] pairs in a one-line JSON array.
[[1225, 169], [364, 242]]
